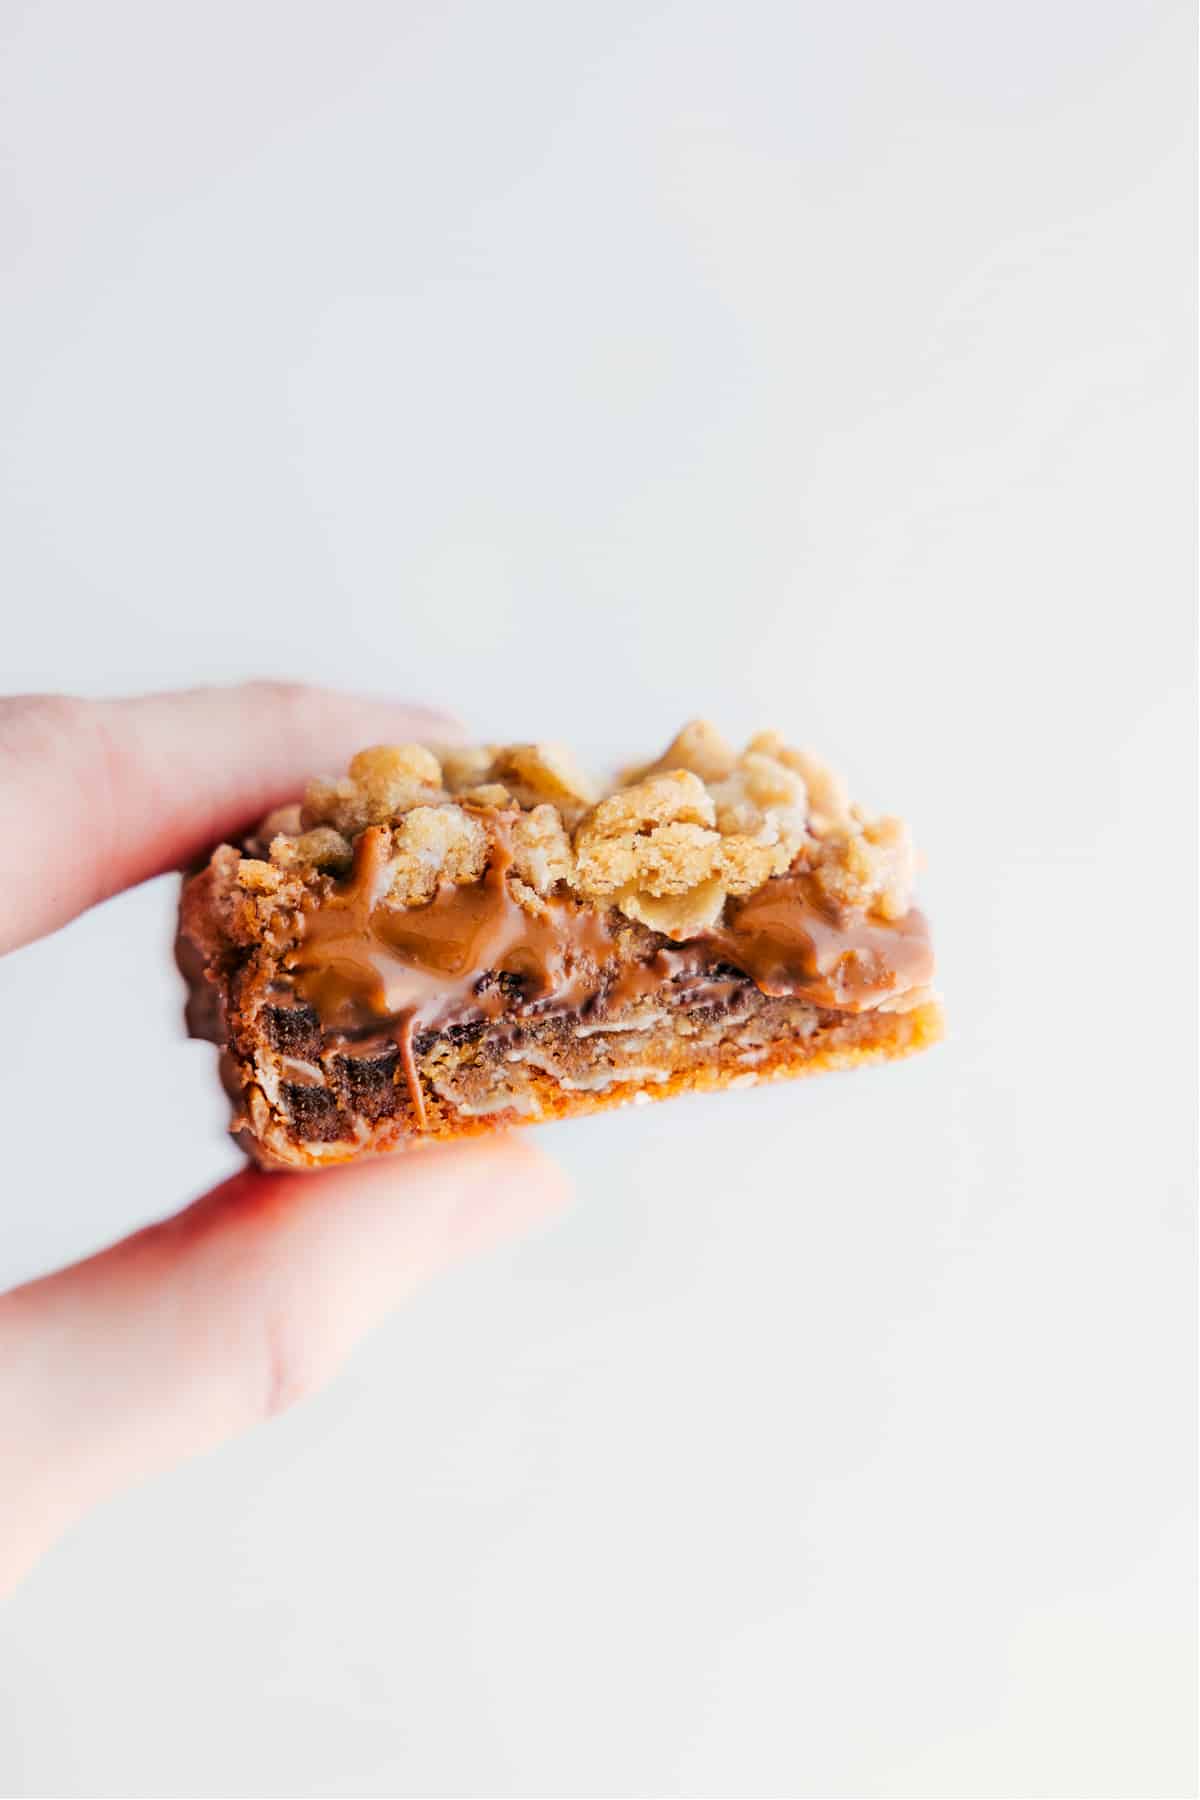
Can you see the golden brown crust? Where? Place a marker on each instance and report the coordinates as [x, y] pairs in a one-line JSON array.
[[878, 1037]]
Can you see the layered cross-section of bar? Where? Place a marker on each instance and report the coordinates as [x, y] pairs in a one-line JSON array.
[[448, 941]]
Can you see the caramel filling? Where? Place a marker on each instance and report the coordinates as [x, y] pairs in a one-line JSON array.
[[474, 951], [790, 940]]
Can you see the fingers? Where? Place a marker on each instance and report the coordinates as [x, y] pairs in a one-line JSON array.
[[194, 1329], [98, 794]]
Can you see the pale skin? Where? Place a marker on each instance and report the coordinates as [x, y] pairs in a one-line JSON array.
[[196, 1328]]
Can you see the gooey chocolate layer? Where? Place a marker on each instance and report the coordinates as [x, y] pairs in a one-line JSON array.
[[473, 952]]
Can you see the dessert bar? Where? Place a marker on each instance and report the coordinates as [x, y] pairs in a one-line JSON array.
[[446, 941]]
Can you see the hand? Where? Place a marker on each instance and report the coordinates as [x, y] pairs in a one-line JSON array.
[[193, 1329]]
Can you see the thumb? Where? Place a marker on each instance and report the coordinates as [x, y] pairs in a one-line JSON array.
[[194, 1329]]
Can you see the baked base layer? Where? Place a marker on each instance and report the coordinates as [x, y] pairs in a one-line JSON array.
[[335, 1101]]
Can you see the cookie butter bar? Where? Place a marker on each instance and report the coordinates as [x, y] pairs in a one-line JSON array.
[[446, 942]]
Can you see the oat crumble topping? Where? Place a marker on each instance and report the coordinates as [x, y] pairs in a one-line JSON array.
[[668, 843]]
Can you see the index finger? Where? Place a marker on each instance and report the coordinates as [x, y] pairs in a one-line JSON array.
[[96, 795]]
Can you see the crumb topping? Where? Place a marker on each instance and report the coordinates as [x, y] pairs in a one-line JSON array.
[[669, 843]]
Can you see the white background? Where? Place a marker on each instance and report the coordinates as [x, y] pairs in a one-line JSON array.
[[584, 367]]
